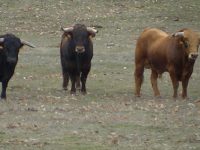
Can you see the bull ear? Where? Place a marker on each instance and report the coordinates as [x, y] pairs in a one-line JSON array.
[[178, 34], [92, 31]]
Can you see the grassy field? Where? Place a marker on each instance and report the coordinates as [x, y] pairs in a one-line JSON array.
[[38, 114]]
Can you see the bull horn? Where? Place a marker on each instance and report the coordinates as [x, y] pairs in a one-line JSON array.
[[67, 29], [89, 29], [181, 34], [28, 44], [1, 40]]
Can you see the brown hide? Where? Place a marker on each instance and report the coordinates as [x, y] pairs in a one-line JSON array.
[[64, 39], [161, 52]]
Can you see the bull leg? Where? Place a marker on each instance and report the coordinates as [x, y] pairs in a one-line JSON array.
[[73, 82], [139, 70], [185, 79], [174, 82], [65, 80], [84, 78], [184, 85], [78, 84], [4, 87], [83, 81], [154, 77]]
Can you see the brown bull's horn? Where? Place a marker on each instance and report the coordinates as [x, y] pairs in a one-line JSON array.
[[28, 44], [92, 30], [67, 29], [181, 34], [1, 40]]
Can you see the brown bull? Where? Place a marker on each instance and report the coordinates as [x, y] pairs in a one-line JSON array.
[[161, 52]]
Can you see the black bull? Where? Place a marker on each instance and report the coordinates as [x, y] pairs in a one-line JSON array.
[[76, 52], [9, 49]]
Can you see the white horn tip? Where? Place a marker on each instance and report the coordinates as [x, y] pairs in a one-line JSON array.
[[1, 39], [178, 34]]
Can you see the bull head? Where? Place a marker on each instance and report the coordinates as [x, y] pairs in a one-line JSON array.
[[11, 45], [80, 35], [191, 42]]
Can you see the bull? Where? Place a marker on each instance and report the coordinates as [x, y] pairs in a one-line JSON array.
[[9, 50], [161, 52], [76, 52]]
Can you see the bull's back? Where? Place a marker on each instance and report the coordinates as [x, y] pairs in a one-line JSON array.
[[150, 47], [150, 38]]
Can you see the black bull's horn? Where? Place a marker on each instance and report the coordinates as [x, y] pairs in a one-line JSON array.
[[92, 30], [27, 43], [1, 40], [67, 29]]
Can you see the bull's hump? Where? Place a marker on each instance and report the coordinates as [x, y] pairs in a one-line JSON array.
[[155, 31]]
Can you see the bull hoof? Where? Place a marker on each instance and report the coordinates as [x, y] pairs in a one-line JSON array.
[[65, 88], [84, 92], [158, 96], [185, 98], [72, 92], [175, 98], [3, 98], [137, 95]]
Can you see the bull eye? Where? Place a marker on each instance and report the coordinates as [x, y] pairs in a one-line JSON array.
[[186, 44]]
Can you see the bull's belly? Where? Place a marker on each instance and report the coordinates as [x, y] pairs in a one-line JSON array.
[[1, 73], [1, 77], [74, 67], [156, 66]]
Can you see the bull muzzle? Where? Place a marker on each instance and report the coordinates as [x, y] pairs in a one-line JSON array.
[[80, 49], [193, 56]]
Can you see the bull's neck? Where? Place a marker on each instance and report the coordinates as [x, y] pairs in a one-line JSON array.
[[178, 47]]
